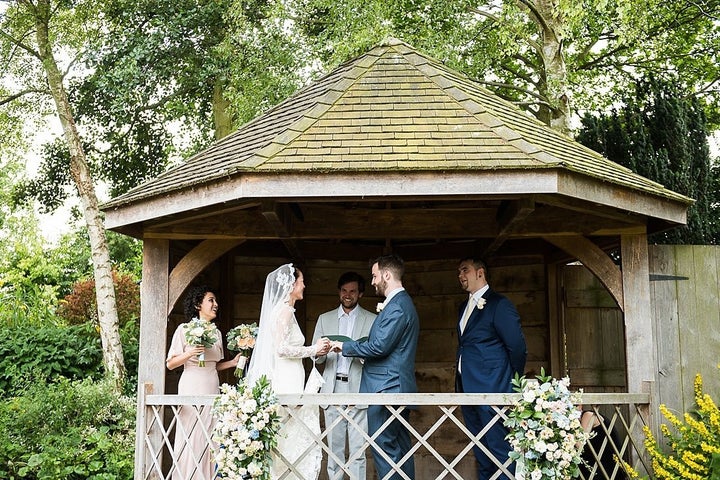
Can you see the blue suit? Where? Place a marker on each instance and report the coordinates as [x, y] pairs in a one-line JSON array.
[[491, 350], [389, 354]]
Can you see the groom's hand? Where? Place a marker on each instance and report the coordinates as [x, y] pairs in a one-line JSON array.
[[336, 347]]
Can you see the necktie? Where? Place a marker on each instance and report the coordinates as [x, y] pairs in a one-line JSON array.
[[466, 315]]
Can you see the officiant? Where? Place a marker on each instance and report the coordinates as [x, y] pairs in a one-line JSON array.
[[342, 374]]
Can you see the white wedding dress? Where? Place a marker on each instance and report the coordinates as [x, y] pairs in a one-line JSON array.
[[282, 364]]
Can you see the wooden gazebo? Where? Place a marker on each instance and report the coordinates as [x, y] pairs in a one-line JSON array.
[[393, 151]]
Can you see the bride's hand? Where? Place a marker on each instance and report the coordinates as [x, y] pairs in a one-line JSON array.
[[322, 346]]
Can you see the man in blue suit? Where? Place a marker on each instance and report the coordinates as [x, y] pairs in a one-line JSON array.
[[491, 350], [389, 354]]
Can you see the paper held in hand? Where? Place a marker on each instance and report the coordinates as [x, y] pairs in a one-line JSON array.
[[343, 338]]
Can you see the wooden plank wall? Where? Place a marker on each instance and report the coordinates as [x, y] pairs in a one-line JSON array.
[[436, 293], [685, 290]]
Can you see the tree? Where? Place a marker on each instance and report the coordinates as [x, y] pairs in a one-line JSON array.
[[544, 55], [165, 78], [29, 280], [661, 133], [31, 34]]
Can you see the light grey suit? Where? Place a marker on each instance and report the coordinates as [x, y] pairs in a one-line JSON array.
[[328, 324]]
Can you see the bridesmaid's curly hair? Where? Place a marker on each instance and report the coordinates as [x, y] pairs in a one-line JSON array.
[[193, 300]]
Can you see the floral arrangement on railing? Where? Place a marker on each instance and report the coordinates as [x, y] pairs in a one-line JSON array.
[[242, 339], [546, 436], [246, 429]]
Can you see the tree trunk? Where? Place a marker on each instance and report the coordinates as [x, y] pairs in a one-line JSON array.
[[104, 287], [548, 18], [220, 108]]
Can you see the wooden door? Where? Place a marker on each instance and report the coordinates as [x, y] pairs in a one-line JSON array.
[[592, 333]]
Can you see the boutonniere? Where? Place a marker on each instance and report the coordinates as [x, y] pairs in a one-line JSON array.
[[481, 303], [379, 307]]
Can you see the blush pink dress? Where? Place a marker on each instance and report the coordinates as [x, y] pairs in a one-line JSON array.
[[192, 447]]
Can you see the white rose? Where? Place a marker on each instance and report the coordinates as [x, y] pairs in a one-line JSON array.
[[249, 406], [254, 469]]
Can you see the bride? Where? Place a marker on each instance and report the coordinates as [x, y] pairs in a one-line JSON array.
[[278, 355]]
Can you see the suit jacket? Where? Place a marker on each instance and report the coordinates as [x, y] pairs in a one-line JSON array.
[[327, 324], [389, 351], [492, 347]]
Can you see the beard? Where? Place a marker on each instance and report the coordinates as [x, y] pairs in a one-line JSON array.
[[349, 303], [381, 288]]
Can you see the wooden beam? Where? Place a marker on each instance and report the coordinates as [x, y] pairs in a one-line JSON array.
[[640, 337], [192, 264], [280, 219], [595, 259], [353, 186], [587, 208], [203, 214], [153, 337], [323, 221], [510, 215]]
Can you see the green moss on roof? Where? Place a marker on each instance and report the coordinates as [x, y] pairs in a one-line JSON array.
[[392, 109]]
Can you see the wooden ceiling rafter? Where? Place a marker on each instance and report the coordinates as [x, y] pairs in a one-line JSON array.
[[510, 216], [280, 217]]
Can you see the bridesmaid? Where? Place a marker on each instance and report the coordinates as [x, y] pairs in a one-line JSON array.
[[192, 445]]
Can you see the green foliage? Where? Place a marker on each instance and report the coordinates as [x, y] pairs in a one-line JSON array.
[[694, 442], [28, 278], [126, 254], [50, 352], [80, 306], [68, 429], [661, 133], [606, 45]]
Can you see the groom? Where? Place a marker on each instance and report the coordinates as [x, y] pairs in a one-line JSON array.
[[389, 354]]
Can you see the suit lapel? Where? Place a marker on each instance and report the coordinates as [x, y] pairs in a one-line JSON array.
[[359, 324], [475, 314]]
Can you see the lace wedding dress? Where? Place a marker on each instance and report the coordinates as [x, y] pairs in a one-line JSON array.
[[278, 355]]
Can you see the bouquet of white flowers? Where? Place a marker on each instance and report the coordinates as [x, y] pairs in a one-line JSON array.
[[545, 431], [200, 333], [246, 429], [242, 339]]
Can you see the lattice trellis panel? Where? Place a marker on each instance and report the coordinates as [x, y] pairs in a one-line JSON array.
[[166, 418]]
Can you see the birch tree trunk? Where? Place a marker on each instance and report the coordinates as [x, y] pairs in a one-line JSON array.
[[104, 287]]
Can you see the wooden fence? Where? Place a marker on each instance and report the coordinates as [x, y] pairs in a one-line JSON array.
[[685, 290]]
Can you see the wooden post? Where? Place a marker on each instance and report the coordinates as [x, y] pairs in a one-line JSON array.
[[639, 327], [640, 344], [153, 334]]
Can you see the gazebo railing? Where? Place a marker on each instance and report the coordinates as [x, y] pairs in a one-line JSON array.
[[442, 447]]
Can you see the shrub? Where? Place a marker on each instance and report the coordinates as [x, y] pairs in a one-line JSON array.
[[694, 443], [68, 429], [80, 306], [26, 303], [50, 351]]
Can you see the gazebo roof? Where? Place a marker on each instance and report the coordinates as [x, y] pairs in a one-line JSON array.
[[395, 148], [392, 109]]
